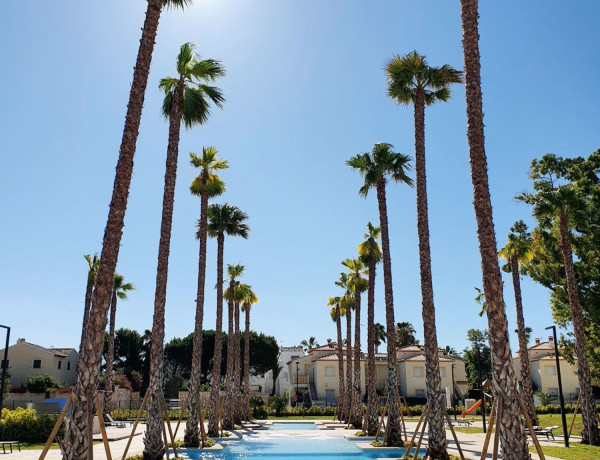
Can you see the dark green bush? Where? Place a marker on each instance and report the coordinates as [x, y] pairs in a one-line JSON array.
[[278, 405], [41, 383], [25, 425]]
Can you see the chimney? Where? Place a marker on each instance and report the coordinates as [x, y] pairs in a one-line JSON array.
[[537, 341], [550, 339], [20, 340]]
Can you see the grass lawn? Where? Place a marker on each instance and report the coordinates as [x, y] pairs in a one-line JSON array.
[[40, 445], [575, 452], [300, 417]]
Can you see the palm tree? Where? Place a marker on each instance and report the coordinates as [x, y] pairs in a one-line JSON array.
[[249, 300], [517, 252], [78, 439], [120, 290], [358, 285], [309, 344], [222, 219], [187, 99], [93, 264], [376, 168], [336, 315], [242, 292], [405, 333], [379, 335], [207, 185], [234, 272], [347, 302], [512, 435], [562, 204], [411, 80], [370, 255]]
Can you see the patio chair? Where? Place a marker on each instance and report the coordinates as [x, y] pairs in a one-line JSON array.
[[109, 421]]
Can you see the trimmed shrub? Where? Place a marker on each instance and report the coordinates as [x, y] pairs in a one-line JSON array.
[[279, 404], [314, 410], [41, 383], [25, 425], [329, 411]]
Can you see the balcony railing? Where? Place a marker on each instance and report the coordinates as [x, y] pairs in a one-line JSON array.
[[301, 380]]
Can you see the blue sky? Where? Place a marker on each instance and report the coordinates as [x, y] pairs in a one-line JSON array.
[[305, 91]]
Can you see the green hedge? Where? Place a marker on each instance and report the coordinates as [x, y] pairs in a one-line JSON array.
[[124, 414], [25, 425]]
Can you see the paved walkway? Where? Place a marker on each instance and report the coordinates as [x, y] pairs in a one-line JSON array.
[[471, 443]]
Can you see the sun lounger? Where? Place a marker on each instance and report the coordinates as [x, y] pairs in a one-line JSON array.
[[538, 430], [108, 421]]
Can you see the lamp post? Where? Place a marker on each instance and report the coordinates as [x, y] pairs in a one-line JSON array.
[[481, 388], [4, 365], [326, 385], [453, 393], [560, 391]]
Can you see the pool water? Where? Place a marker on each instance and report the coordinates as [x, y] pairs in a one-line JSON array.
[[272, 445], [287, 426]]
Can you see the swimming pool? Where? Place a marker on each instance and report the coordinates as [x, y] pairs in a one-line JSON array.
[[287, 426], [272, 445]]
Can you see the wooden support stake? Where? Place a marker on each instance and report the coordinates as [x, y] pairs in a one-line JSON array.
[[574, 414], [164, 404], [166, 441], [499, 411], [416, 456], [59, 420], [381, 421], [135, 424], [102, 428], [536, 442], [486, 443], [454, 434], [402, 417], [412, 440]]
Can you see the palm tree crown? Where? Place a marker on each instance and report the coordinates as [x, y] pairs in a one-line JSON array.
[[381, 163], [121, 288], [369, 250], [225, 218], [409, 76], [208, 181], [192, 75]]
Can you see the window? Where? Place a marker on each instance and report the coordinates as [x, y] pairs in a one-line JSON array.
[[59, 365], [5, 364], [419, 393], [553, 391], [442, 372], [329, 372], [418, 372], [37, 363], [550, 370], [68, 365]]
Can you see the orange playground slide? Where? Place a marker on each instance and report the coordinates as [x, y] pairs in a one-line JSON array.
[[472, 409]]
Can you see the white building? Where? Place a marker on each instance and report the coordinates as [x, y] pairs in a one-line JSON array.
[[283, 382], [27, 359]]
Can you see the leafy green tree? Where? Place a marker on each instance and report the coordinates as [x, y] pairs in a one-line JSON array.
[[376, 168], [561, 203], [512, 434], [222, 219], [207, 184], [187, 99], [78, 439], [477, 357], [412, 81], [370, 254]]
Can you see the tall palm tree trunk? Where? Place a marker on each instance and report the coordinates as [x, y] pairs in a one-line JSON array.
[[86, 315], [78, 439], [154, 447], [523, 353], [227, 407], [246, 392], [372, 400], [341, 383], [393, 435], [512, 435], [590, 433], [236, 406], [110, 355], [192, 432], [213, 403], [357, 408], [348, 363], [437, 443]]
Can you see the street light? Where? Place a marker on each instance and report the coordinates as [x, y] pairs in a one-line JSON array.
[[326, 385], [453, 393], [297, 382], [4, 365], [560, 391], [481, 387]]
